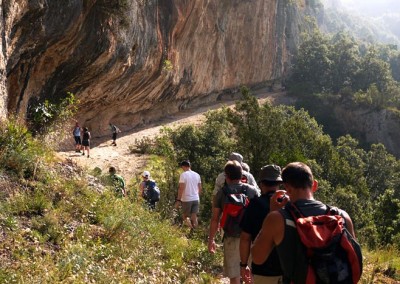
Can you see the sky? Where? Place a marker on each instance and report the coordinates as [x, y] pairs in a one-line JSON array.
[[373, 7]]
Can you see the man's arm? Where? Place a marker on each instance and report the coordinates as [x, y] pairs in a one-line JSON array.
[[181, 188], [244, 248], [216, 213], [270, 235], [199, 186]]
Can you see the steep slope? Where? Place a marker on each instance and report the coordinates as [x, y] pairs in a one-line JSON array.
[[132, 62]]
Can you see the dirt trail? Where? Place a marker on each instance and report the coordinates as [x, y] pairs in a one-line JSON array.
[[103, 155]]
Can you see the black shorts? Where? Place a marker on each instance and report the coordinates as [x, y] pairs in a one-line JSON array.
[[77, 140], [114, 136], [86, 143]]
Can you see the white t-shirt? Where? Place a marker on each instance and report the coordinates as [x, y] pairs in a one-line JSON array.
[[191, 180]]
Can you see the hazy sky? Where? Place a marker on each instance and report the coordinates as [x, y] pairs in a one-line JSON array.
[[373, 7]]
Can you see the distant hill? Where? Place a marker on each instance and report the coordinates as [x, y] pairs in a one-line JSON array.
[[366, 20]]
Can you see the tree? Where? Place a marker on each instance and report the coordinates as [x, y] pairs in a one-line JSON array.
[[373, 70], [345, 59], [312, 68]]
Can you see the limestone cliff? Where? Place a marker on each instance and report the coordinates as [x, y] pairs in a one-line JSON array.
[[132, 61]]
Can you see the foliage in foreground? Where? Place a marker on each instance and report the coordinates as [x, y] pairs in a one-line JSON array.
[[364, 183], [56, 228]]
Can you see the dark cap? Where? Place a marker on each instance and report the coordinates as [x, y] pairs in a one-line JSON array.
[[270, 173], [185, 163], [235, 157]]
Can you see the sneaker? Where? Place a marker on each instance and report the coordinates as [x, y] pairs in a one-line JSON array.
[[88, 156], [83, 154], [188, 223]]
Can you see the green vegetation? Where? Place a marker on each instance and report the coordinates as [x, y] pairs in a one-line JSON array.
[[341, 67], [359, 181], [338, 71], [57, 228]]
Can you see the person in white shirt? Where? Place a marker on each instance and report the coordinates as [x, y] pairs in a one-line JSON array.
[[189, 194]]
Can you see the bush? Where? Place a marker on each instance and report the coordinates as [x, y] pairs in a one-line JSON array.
[[20, 153]]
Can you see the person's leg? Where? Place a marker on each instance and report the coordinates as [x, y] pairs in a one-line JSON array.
[[194, 212], [232, 259], [88, 150], [186, 209], [114, 138], [83, 150]]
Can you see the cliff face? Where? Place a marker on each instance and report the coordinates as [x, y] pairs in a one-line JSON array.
[[370, 126], [133, 61]]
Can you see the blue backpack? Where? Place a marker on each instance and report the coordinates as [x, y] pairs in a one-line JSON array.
[[152, 192]]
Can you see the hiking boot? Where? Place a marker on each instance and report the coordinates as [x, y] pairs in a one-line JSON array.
[[83, 154], [88, 156]]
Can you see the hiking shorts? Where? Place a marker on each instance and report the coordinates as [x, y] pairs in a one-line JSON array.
[[190, 207], [259, 279], [231, 257], [77, 140], [114, 136], [86, 143]]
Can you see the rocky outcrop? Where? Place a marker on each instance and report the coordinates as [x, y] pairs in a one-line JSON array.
[[131, 62], [370, 126]]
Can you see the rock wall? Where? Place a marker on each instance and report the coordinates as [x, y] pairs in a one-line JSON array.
[[133, 61], [370, 127]]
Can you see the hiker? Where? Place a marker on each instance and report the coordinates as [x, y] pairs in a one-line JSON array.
[[189, 194], [149, 190], [280, 229], [245, 167], [225, 210], [118, 182], [115, 130], [247, 176], [86, 142], [270, 271], [77, 137]]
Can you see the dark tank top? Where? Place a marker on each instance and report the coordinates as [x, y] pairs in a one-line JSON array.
[[291, 252]]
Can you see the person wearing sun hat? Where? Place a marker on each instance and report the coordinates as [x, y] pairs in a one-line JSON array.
[[247, 177], [270, 271], [149, 190]]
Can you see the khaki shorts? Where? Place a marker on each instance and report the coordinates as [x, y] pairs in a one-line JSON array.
[[259, 279], [231, 257], [190, 207]]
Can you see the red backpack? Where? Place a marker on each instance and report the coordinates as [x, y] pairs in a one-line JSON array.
[[235, 203], [333, 254]]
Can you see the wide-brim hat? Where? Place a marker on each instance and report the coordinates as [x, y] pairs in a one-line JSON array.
[[270, 173]]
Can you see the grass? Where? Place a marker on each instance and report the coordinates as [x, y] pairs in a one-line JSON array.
[[381, 266]]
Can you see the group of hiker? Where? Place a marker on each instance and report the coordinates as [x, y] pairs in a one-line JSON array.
[[82, 138], [278, 233], [274, 231]]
